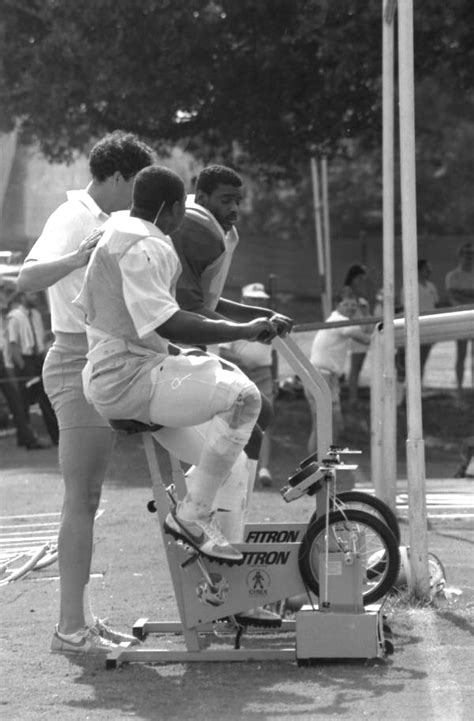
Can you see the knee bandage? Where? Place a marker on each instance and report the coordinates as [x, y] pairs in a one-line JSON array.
[[245, 410], [226, 435]]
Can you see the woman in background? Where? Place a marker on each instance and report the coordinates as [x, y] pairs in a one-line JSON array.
[[356, 286]]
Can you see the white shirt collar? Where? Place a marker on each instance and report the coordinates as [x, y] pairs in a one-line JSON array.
[[82, 196]]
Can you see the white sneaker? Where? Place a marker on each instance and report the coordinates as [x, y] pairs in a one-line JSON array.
[[110, 634], [85, 641], [204, 535]]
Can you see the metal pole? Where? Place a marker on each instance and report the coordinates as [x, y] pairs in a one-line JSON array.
[[388, 487], [272, 291], [327, 230], [376, 413], [319, 235], [419, 582]]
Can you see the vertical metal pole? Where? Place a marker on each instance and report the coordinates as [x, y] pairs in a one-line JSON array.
[[319, 236], [272, 291], [327, 230], [376, 413], [420, 584], [388, 486]]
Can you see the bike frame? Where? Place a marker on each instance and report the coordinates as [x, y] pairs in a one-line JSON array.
[[270, 570]]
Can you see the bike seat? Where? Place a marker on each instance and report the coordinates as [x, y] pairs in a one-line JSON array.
[[131, 426]]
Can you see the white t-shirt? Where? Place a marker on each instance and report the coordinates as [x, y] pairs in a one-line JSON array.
[[459, 279], [148, 273], [331, 345], [27, 331], [149, 270], [65, 229], [428, 296]]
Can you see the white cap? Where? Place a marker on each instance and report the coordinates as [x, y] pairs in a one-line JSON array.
[[254, 290]]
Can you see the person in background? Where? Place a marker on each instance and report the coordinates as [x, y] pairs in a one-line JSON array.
[[58, 262], [25, 435], [329, 352], [26, 337], [460, 290], [356, 287], [428, 300], [255, 359]]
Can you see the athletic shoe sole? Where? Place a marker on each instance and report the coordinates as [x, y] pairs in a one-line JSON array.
[[259, 618], [83, 647], [179, 535], [115, 636]]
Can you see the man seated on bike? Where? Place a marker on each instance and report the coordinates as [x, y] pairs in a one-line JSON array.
[[208, 407]]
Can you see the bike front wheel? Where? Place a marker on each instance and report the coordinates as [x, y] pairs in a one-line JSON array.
[[358, 500], [352, 531]]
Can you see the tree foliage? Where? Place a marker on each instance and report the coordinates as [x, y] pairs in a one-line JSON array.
[[276, 78], [262, 83]]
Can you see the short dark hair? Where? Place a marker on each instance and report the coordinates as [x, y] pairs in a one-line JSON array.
[[214, 175], [119, 152], [155, 187], [422, 262], [353, 272]]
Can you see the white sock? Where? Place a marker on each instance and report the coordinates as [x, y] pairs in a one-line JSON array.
[[232, 500], [71, 636], [87, 605], [222, 447]]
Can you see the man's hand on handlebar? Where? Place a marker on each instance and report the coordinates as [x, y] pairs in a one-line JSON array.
[[266, 329], [282, 324], [262, 330]]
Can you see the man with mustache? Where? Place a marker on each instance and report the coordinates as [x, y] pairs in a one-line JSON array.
[[206, 240]]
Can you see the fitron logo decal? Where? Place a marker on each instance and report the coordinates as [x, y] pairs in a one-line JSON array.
[[266, 558], [258, 582]]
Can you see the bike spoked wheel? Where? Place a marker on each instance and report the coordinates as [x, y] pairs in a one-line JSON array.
[[360, 501], [353, 531]]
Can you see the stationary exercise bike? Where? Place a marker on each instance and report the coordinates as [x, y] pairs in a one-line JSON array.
[[343, 560]]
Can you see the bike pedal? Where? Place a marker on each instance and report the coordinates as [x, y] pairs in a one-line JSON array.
[[180, 541], [313, 458], [303, 481]]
